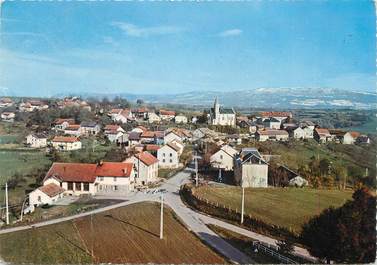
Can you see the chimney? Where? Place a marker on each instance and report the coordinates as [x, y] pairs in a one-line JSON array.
[[125, 171], [100, 163]]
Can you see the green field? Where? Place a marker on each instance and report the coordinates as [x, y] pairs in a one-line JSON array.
[[284, 207], [124, 235], [21, 162]]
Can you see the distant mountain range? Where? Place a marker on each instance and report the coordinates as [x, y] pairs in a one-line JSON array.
[[279, 98]]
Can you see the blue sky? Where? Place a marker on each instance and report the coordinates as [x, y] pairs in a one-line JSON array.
[[170, 47]]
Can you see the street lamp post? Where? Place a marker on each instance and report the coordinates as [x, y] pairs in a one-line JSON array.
[[242, 204]]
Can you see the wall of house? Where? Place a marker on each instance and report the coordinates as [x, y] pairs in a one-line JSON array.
[[37, 197], [164, 158], [224, 160], [115, 183], [92, 189]]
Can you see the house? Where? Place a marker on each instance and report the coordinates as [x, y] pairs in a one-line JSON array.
[[61, 124], [180, 119], [36, 140], [272, 123], [8, 116], [350, 137], [152, 148], [66, 143], [278, 115], [271, 135], [246, 123], [166, 115], [81, 178], [139, 129], [283, 176], [322, 135], [153, 117], [147, 137], [194, 120], [296, 132], [172, 135], [363, 139], [74, 102], [47, 194], [234, 139], [140, 113], [224, 158], [178, 144], [146, 168], [308, 124], [168, 156], [32, 105], [221, 116], [73, 129], [122, 117], [90, 128], [6, 102], [250, 169], [134, 138], [203, 132], [113, 132], [308, 132]]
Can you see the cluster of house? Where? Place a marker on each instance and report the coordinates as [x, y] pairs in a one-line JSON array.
[[24, 106], [250, 167], [73, 102], [138, 170], [144, 114]]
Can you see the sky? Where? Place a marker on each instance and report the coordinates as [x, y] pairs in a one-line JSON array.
[[49, 48]]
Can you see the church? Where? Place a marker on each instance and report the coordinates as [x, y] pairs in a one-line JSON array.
[[222, 116]]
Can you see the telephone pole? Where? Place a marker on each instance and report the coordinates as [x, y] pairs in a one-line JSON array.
[[242, 204], [162, 216], [6, 203], [196, 170]]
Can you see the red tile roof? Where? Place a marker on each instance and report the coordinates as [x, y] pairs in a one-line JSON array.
[[142, 128], [275, 114], [111, 127], [322, 131], [114, 169], [60, 121], [51, 189], [65, 139], [115, 111], [273, 132], [73, 127], [147, 134], [355, 134], [167, 112], [78, 172], [146, 158], [152, 147]]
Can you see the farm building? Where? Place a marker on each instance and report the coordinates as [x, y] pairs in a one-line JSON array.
[[224, 158], [36, 140], [47, 194], [271, 135], [66, 143], [146, 168]]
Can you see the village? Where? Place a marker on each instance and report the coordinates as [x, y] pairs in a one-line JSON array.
[[152, 147]]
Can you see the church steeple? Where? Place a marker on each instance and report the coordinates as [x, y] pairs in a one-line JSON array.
[[216, 106]]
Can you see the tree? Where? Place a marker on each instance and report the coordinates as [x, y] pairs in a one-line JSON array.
[[203, 118], [139, 101], [285, 246], [346, 234]]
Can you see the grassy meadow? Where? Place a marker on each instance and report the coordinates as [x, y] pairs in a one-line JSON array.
[[285, 207]]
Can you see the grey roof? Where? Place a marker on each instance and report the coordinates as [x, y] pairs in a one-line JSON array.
[[249, 150], [272, 119], [39, 135], [134, 136], [88, 124], [224, 110]]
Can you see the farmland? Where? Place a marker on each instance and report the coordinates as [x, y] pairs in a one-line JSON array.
[[285, 207], [126, 235]]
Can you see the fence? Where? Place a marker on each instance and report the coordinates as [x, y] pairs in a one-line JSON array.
[[226, 212], [266, 249]]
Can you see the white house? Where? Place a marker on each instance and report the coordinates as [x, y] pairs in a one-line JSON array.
[[296, 133], [146, 168], [168, 156], [66, 143], [153, 117], [123, 116], [5, 102], [32, 105], [73, 129], [8, 116], [272, 123], [172, 135], [81, 178], [308, 132], [47, 194], [61, 124], [113, 132], [222, 116], [279, 115], [36, 140], [180, 119], [166, 115], [90, 128], [271, 135], [250, 169], [223, 158], [322, 135]]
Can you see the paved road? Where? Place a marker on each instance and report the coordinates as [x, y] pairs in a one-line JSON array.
[[196, 222]]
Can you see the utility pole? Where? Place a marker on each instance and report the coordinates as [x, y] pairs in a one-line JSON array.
[[6, 203], [366, 172], [196, 170], [242, 204], [162, 216]]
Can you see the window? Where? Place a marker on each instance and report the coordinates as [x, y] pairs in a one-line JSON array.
[[39, 198], [78, 185], [163, 160], [163, 154], [221, 156], [70, 186], [171, 154], [115, 187], [100, 178], [86, 186], [115, 179], [171, 161]]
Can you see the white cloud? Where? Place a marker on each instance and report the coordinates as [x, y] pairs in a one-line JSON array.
[[230, 33], [136, 31]]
